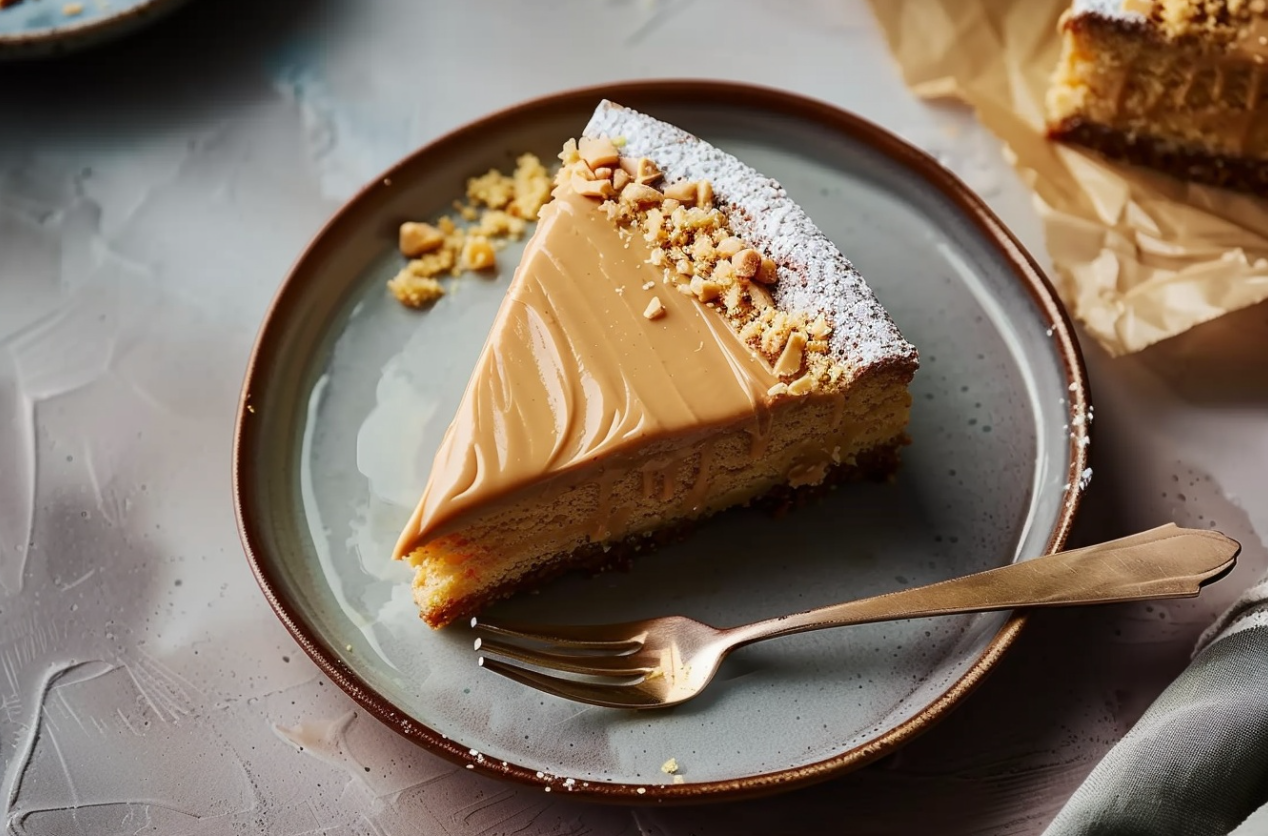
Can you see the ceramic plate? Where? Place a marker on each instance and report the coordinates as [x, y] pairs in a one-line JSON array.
[[348, 394], [42, 27]]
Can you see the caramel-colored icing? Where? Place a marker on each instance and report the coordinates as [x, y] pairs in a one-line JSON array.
[[573, 373]]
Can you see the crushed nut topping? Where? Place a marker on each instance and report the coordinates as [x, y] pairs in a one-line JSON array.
[[499, 208], [692, 242]]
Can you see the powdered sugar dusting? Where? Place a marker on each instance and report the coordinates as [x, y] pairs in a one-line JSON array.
[[814, 276], [1107, 8]]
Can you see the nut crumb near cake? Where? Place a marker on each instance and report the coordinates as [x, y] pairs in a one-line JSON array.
[[499, 208], [679, 338], [1177, 85]]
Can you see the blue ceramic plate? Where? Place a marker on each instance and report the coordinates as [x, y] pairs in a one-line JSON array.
[[48, 27]]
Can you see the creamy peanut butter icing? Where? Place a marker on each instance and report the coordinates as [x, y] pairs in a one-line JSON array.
[[679, 338], [576, 369]]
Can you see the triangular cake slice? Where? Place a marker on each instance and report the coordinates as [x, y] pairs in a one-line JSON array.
[[679, 338]]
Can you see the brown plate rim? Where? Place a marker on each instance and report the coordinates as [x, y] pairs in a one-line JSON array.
[[639, 94]]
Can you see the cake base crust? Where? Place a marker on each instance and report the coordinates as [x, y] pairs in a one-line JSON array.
[[877, 464], [1194, 164]]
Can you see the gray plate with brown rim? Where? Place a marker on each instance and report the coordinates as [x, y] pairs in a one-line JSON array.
[[347, 394]]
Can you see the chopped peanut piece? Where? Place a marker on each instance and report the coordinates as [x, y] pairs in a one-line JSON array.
[[621, 178], [790, 359], [801, 386], [704, 194], [643, 170], [705, 289], [761, 296], [478, 253], [591, 188], [728, 247], [419, 238], [569, 154], [747, 262], [778, 389], [702, 249], [639, 196], [598, 151], [768, 272], [724, 273], [655, 309], [684, 192]]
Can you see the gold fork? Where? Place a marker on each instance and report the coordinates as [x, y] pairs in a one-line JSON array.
[[665, 661]]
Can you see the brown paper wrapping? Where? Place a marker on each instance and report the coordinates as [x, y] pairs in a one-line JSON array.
[[1139, 256]]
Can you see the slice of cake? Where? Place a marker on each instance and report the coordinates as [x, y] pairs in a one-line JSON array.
[[679, 338], [1178, 85]]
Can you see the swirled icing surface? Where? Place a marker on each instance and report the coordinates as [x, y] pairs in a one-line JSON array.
[[573, 371]]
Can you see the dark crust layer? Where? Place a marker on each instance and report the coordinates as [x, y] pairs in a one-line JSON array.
[[878, 464], [1193, 164]]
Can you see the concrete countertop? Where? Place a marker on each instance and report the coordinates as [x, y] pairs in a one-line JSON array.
[[153, 193]]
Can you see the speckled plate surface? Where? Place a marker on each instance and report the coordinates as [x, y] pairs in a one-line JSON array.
[[348, 393], [47, 27]]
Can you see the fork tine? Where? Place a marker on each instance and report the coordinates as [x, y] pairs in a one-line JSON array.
[[580, 636], [626, 666], [610, 696]]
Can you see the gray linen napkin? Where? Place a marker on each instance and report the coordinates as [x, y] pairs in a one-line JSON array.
[[1197, 761]]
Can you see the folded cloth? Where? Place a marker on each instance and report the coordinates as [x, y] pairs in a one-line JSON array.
[[1197, 761]]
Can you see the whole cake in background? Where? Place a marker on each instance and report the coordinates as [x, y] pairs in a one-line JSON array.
[[679, 338], [1178, 85]]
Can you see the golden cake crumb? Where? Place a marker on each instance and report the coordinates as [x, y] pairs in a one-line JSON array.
[[691, 240], [478, 254], [678, 779], [73, 9], [670, 766], [500, 206], [415, 291]]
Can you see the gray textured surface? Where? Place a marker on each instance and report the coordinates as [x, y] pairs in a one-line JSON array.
[[1195, 763], [151, 197]]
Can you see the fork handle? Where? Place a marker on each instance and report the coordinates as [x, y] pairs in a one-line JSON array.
[[1165, 562]]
